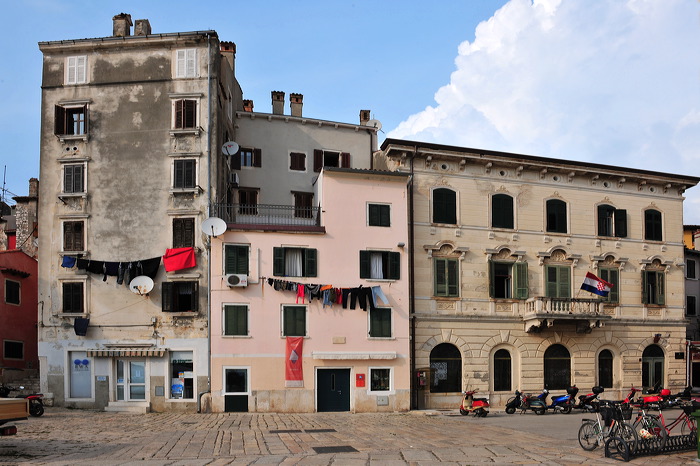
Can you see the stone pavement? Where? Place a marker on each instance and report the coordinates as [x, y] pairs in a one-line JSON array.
[[68, 437]]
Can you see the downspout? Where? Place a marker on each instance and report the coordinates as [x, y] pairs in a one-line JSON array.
[[208, 244], [411, 287]]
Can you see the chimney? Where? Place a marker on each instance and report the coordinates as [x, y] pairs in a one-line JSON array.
[[121, 25], [248, 106], [278, 102], [295, 103], [33, 187], [142, 27], [364, 117], [227, 46]]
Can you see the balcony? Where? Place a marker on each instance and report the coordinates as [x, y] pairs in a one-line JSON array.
[[541, 312], [269, 217]]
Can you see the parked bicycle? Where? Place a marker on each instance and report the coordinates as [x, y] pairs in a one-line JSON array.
[[609, 423]]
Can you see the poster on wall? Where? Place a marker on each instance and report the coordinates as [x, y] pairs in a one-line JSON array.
[[293, 370]]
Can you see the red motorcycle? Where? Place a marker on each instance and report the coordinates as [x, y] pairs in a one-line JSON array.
[[478, 406]]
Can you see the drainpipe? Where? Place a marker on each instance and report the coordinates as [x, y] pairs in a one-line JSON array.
[[411, 287]]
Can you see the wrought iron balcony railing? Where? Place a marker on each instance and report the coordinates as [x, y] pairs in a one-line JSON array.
[[267, 214], [564, 306]]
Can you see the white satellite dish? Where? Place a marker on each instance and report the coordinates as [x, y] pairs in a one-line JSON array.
[[230, 148], [213, 226], [141, 285], [375, 124]]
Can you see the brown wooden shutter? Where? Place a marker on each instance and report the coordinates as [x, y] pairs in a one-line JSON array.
[[60, 120], [257, 157], [345, 159], [179, 113], [318, 160], [87, 119], [236, 160]]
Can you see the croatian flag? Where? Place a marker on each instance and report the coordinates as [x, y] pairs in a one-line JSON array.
[[596, 285]]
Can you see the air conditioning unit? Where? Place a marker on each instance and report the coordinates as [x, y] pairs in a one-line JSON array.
[[236, 279], [233, 179]]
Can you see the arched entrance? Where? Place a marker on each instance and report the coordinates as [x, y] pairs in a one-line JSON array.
[[653, 367], [446, 365], [557, 367]]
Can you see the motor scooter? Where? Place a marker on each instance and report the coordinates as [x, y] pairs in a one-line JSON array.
[[523, 402], [564, 403], [590, 402], [36, 406], [478, 406]]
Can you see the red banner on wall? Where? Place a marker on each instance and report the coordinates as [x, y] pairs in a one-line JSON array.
[[293, 370]]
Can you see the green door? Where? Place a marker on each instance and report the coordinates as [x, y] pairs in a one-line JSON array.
[[333, 387]]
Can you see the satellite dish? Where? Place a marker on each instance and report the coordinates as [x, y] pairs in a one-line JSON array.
[[230, 148], [375, 124], [213, 226], [141, 285]]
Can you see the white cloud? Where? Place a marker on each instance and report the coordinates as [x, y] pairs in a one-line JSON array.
[[606, 81]]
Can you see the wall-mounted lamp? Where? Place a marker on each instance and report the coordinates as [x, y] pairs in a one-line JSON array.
[[657, 337], [401, 245]]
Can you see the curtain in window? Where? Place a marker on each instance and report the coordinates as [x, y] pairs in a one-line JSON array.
[[376, 265], [293, 263]]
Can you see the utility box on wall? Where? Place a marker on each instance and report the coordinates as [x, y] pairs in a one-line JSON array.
[[360, 380]]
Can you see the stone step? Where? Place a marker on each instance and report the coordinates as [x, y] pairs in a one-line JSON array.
[[136, 407]]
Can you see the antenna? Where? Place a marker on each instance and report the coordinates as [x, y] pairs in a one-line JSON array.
[[230, 148], [213, 226], [141, 285]]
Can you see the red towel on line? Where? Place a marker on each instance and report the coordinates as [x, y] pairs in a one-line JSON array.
[[178, 259]]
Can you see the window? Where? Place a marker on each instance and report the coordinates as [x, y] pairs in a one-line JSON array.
[[327, 158], [73, 236], [612, 221], [652, 225], [379, 379], [691, 306], [13, 349], [247, 157], [236, 320], [605, 369], [236, 389], [556, 216], [185, 114], [611, 276], [690, 268], [446, 366], [502, 370], [380, 323], [380, 265], [446, 277], [653, 287], [297, 161], [73, 297], [236, 259], [184, 176], [76, 70], [183, 232], [73, 178], [186, 63], [508, 280], [379, 215], [294, 321], [180, 296], [248, 201], [502, 211], [444, 206], [557, 368], [294, 262], [652, 366], [303, 205], [70, 120], [12, 292], [181, 375], [558, 281]]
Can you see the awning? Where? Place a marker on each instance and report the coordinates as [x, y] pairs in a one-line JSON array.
[[127, 353]]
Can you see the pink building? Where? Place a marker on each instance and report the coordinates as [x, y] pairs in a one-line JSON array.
[[309, 311]]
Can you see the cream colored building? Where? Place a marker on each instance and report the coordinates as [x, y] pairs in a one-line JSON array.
[[501, 245]]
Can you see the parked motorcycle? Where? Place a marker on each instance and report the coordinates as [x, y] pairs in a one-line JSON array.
[[523, 402], [36, 405], [590, 402], [478, 406], [564, 403]]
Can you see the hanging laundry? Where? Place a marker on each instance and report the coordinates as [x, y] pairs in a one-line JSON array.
[[150, 267], [300, 293], [69, 262], [378, 293], [178, 259]]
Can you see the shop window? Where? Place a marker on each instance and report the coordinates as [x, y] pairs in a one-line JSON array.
[[557, 368], [502, 371], [379, 379], [605, 369], [180, 296], [612, 221], [294, 321], [502, 211], [236, 320], [181, 375], [236, 259], [558, 281], [653, 286], [508, 280], [444, 206], [556, 216], [380, 265], [652, 225], [380, 323], [12, 292], [446, 277], [294, 262], [446, 364]]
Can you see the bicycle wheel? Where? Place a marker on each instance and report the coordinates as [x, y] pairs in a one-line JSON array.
[[628, 434], [617, 448], [588, 436], [656, 432], [689, 426]]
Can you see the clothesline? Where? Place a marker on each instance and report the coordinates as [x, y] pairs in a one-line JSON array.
[[329, 295]]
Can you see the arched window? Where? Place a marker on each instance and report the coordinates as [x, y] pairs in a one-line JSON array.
[[502, 370], [652, 366], [652, 225], [556, 216], [444, 206], [557, 368], [446, 363], [502, 211], [605, 369]]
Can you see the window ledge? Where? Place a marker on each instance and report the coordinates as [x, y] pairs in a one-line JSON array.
[[73, 314], [185, 132], [182, 314], [381, 279], [195, 190], [62, 195], [381, 338], [236, 336], [82, 254], [72, 137]]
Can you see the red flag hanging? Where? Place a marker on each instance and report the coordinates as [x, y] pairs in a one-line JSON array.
[[293, 369]]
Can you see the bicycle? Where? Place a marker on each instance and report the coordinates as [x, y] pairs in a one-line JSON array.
[[685, 420], [592, 434]]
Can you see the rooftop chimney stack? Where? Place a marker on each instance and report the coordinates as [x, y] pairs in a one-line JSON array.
[[142, 27], [278, 102], [248, 106], [295, 103], [364, 117], [121, 25], [227, 46]]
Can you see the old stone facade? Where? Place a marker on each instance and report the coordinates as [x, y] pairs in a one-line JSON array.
[[502, 244]]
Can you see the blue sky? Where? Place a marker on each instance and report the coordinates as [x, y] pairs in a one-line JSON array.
[[610, 81]]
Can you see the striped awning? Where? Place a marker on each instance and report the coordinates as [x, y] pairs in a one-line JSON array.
[[128, 352]]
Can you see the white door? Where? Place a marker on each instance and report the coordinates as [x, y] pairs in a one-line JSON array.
[[131, 380]]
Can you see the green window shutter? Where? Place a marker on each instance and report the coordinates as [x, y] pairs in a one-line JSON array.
[[374, 215], [439, 279], [380, 323], [278, 262], [551, 285], [614, 279], [645, 287], [385, 215], [492, 279], [364, 264], [660, 288], [621, 223], [236, 259], [520, 283], [394, 266], [452, 278], [294, 321], [166, 296], [310, 262], [236, 320], [564, 279]]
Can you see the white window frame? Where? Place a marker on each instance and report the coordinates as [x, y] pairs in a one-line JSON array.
[[247, 380], [76, 69], [169, 376], [63, 181], [75, 279], [85, 236], [223, 320], [19, 297], [391, 390], [186, 63], [196, 175]]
